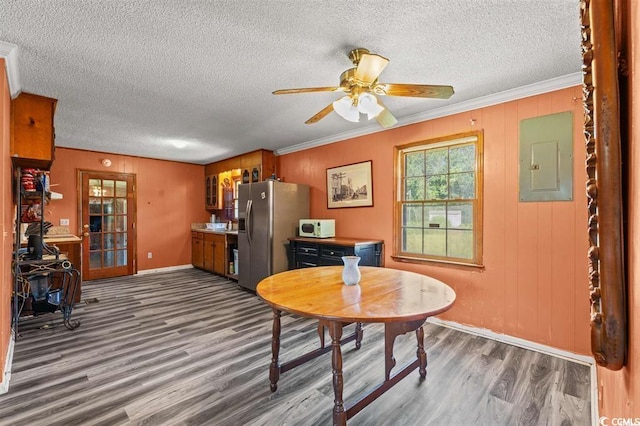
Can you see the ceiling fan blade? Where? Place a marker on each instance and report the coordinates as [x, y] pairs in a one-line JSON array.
[[414, 90], [370, 67], [385, 118], [308, 90], [319, 116]]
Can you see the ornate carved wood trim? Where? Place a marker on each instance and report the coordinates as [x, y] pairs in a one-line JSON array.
[[604, 184]]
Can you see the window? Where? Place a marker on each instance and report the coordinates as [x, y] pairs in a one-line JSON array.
[[439, 200]]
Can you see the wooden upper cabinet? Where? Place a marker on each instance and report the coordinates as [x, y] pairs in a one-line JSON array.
[[32, 131], [253, 166]]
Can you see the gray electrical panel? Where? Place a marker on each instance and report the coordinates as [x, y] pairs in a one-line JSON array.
[[546, 158]]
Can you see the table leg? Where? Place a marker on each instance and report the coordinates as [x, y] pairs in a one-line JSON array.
[[358, 335], [422, 355], [339, 414], [274, 369]]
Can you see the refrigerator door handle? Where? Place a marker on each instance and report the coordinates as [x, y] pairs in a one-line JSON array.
[[249, 221]]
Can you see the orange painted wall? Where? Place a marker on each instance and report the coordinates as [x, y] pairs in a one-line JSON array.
[[620, 390], [170, 198], [534, 285], [6, 212]]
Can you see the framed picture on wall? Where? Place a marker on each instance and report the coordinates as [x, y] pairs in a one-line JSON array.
[[350, 186]]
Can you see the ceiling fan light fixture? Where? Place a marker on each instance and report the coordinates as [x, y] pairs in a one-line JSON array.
[[368, 104], [345, 109]]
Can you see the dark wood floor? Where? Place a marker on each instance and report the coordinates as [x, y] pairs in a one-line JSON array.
[[190, 348]]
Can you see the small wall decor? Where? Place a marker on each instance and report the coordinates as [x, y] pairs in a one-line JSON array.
[[350, 186]]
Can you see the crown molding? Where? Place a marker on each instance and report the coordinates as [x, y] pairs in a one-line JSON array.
[[9, 52], [538, 88]]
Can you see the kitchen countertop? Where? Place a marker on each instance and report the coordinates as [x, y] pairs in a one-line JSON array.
[[62, 239], [202, 227]]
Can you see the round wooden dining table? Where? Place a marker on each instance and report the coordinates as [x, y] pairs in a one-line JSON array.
[[401, 300]]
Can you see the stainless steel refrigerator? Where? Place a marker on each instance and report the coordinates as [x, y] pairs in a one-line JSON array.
[[268, 214]]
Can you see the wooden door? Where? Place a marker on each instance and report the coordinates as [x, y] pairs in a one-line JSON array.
[[108, 204]]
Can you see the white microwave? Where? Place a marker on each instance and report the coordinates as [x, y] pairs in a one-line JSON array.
[[317, 228]]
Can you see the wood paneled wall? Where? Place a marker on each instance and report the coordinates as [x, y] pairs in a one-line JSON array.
[[620, 390], [170, 197], [6, 212], [534, 285]]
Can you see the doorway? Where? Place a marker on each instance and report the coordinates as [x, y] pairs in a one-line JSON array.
[[107, 204]]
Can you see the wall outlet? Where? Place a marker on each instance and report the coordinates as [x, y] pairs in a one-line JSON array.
[[64, 222], [149, 255]]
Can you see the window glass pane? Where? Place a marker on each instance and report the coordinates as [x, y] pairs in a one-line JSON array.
[[121, 188], [108, 259], [108, 241], [95, 260], [412, 215], [95, 241], [107, 205], [121, 223], [108, 188], [412, 240], [437, 187], [414, 164], [460, 243], [414, 189], [121, 240], [435, 242], [460, 215], [121, 205], [121, 258], [437, 161], [95, 205], [108, 224], [462, 158], [436, 216], [461, 185]]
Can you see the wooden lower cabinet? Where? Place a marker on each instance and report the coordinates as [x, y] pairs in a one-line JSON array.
[[309, 252], [197, 249], [208, 252]]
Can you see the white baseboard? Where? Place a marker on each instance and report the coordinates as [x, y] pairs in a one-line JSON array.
[[4, 385], [538, 347], [166, 269]]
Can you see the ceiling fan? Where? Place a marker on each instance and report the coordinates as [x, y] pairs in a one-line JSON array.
[[361, 86]]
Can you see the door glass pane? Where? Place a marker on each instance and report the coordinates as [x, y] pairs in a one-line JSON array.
[[121, 240], [108, 188], [121, 223], [95, 241], [121, 258], [108, 241], [95, 205], [108, 224], [108, 259], [121, 188], [121, 205], [95, 187], [107, 205], [95, 260], [95, 223]]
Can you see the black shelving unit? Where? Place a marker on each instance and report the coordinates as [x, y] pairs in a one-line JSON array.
[[43, 280]]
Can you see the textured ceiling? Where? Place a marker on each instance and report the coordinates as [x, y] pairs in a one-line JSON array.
[[132, 76]]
